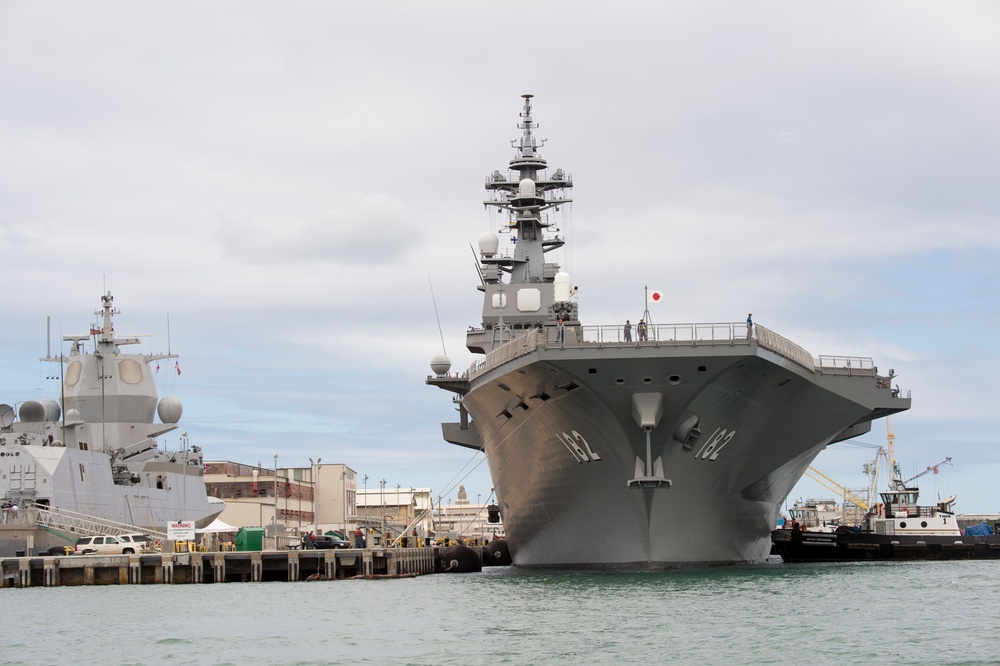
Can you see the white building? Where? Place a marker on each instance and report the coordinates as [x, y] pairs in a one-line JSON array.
[[466, 520], [395, 509]]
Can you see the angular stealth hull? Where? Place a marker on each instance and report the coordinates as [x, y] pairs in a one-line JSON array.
[[91, 462]]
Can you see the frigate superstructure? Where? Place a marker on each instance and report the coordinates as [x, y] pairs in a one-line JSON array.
[[94, 454], [668, 445]]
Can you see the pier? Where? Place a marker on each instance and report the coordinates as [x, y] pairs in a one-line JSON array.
[[217, 567]]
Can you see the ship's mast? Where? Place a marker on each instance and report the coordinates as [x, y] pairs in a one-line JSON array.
[[521, 291], [525, 201]]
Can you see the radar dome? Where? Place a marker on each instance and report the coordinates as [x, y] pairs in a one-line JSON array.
[[561, 288], [526, 188], [31, 411], [73, 416], [170, 409], [52, 410], [440, 364], [488, 244]]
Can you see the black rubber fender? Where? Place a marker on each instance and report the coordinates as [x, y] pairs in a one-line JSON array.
[[458, 559], [497, 554]]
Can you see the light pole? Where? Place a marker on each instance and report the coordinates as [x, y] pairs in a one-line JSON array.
[[439, 516], [382, 500], [184, 447], [366, 497], [343, 512], [315, 496], [274, 518]]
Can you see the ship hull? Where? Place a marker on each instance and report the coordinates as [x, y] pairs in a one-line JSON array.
[[671, 448], [797, 546], [82, 482], [563, 443]]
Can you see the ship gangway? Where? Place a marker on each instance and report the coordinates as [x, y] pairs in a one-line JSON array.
[[71, 524]]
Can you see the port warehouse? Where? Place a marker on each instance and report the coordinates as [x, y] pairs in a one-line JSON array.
[[218, 567]]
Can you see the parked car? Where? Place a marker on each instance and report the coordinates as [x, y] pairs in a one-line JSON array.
[[324, 542], [104, 544], [143, 542], [57, 550]]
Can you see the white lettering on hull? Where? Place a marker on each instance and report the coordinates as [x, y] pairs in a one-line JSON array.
[[573, 442]]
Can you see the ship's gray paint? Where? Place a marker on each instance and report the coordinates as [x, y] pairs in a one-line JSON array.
[[673, 450], [100, 456]]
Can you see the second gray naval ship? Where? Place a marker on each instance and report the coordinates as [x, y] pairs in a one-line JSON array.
[[673, 447]]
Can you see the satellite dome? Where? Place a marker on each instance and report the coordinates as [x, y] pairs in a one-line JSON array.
[[169, 410], [561, 290], [52, 410], [440, 364], [488, 244], [73, 416], [31, 411]]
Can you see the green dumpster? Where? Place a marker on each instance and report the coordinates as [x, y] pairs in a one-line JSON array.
[[250, 538]]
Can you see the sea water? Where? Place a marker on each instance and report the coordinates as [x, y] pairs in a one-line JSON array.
[[852, 613]]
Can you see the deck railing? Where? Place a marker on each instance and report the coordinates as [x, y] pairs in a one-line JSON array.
[[670, 335]]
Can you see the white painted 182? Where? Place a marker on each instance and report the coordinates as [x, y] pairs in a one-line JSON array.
[[573, 442], [713, 446]]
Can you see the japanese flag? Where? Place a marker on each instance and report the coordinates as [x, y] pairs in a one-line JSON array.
[[656, 296]]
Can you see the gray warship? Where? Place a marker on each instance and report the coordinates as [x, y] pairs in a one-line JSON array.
[[671, 448], [91, 463]]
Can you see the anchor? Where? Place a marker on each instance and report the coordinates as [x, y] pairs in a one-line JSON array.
[[647, 409]]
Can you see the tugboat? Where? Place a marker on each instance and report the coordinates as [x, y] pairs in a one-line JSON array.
[[91, 460], [897, 528], [674, 447]]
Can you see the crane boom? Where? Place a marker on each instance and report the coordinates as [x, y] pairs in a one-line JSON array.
[[822, 478], [932, 468]]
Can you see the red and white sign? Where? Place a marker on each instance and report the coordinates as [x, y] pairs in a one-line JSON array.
[[180, 530]]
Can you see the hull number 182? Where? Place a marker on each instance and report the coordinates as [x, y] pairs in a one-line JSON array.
[[713, 446], [578, 446]]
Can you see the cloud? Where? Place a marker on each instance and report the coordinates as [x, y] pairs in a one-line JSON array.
[[371, 229]]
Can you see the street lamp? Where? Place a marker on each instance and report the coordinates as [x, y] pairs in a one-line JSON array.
[[316, 492], [274, 519], [382, 512], [367, 512]]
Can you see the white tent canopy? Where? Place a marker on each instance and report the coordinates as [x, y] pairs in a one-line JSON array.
[[217, 526]]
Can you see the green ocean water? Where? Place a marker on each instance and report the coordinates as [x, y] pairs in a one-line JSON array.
[[852, 613]]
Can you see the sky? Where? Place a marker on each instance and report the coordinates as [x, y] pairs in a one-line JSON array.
[[285, 195]]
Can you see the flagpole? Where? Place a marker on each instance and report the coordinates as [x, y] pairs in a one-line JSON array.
[[645, 311]]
